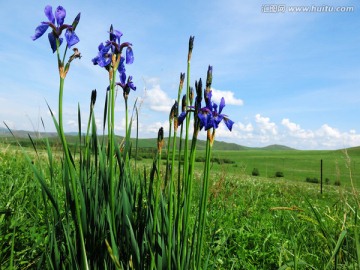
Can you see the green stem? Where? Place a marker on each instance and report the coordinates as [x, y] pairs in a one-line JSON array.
[[204, 195], [180, 195], [72, 176], [156, 206], [168, 154], [171, 190], [127, 134], [111, 131]]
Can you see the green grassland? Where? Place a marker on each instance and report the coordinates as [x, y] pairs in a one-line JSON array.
[[254, 222]]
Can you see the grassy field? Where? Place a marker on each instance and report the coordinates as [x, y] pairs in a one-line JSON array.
[[258, 222]]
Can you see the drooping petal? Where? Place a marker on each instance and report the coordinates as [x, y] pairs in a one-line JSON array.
[[71, 38], [52, 41], [121, 67], [203, 117], [60, 14], [229, 123], [210, 123], [131, 84], [122, 77], [40, 30], [129, 55], [217, 119], [49, 14], [95, 60]]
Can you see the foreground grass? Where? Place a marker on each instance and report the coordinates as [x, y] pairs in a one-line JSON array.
[[253, 222], [257, 223]]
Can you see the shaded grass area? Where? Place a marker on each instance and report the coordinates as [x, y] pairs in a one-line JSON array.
[[253, 222]]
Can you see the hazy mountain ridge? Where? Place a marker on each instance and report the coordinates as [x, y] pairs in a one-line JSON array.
[[142, 142], [23, 137]]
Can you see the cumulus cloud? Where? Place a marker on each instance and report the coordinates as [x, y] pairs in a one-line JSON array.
[[156, 99], [265, 125], [295, 130], [229, 97], [245, 128], [328, 132]]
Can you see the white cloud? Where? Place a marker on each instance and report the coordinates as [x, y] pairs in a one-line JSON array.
[[265, 125], [227, 95], [296, 131], [328, 132], [242, 127], [156, 98]]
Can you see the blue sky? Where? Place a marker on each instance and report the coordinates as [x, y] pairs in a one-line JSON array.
[[290, 78]]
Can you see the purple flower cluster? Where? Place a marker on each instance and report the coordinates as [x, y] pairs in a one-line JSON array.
[[114, 47], [210, 116], [54, 36]]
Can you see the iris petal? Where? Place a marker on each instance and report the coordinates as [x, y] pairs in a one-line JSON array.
[[131, 83], [71, 38], [49, 14], [222, 104], [181, 118], [60, 15], [122, 77], [229, 123], [129, 55], [121, 67], [52, 41], [95, 60], [39, 31], [115, 36]]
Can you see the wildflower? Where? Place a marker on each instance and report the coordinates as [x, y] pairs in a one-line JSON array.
[[210, 116], [127, 86], [54, 37], [103, 59], [113, 47]]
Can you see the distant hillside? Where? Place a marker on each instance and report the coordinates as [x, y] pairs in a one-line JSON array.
[[276, 147], [23, 135]]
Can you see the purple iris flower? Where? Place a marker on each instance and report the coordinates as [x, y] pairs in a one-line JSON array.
[[127, 86], [103, 59], [111, 47], [210, 116], [60, 14]]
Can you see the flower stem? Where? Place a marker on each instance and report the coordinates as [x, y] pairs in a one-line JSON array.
[[204, 195], [72, 173], [111, 134]]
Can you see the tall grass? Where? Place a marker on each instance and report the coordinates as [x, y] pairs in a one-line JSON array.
[[100, 212]]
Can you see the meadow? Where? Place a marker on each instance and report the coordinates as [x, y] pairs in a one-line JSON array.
[[254, 222], [98, 201]]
